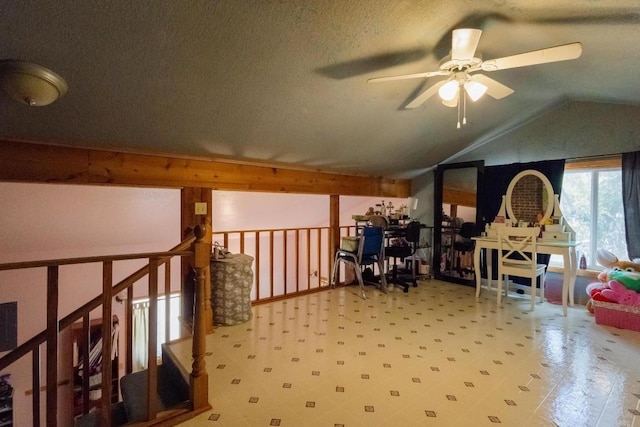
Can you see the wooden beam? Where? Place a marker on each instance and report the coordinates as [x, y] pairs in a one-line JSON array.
[[30, 162], [458, 197]]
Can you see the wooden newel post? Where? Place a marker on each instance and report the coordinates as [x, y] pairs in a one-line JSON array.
[[199, 378]]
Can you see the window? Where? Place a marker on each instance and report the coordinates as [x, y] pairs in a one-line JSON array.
[[141, 327], [591, 202]]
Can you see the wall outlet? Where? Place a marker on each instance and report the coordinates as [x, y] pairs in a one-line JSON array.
[[201, 208]]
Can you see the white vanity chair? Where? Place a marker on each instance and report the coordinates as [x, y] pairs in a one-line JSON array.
[[557, 238]]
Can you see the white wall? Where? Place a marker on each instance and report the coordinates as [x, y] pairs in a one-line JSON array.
[[237, 210], [572, 130]]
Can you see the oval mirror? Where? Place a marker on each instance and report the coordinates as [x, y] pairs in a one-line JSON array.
[[529, 193]]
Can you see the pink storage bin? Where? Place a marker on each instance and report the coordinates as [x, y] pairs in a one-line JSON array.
[[617, 315]]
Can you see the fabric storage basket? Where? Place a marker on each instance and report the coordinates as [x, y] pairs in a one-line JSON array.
[[349, 243], [617, 315]]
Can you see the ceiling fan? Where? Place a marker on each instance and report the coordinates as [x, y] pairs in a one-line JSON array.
[[462, 83]]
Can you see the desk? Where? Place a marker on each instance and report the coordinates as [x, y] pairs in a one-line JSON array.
[[566, 249]]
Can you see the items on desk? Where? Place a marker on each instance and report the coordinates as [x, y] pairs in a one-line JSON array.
[[583, 262]]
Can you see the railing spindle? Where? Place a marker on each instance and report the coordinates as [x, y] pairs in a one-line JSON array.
[[271, 270], [129, 328], [167, 302], [319, 253], [308, 258], [257, 273], [297, 260], [284, 259], [35, 386], [52, 346], [107, 343], [86, 342], [152, 359]]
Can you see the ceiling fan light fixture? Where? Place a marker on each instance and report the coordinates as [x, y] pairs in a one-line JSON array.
[[30, 83], [449, 90], [475, 90], [451, 103]]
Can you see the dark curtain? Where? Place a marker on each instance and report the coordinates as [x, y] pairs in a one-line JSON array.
[[496, 182], [497, 179], [631, 201]]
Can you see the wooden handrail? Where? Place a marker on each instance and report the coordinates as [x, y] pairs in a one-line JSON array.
[[87, 260], [194, 246], [35, 341], [268, 230]]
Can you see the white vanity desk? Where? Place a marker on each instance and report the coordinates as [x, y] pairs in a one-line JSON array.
[[558, 239], [566, 249]]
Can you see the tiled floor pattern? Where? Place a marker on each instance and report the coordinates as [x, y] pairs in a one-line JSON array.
[[433, 356]]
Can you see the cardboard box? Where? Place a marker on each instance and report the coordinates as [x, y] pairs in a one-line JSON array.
[[617, 315]]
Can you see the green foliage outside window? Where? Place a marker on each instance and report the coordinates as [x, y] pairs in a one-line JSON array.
[[591, 202]]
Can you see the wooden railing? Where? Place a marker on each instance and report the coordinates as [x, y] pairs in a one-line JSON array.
[[287, 261], [193, 246]]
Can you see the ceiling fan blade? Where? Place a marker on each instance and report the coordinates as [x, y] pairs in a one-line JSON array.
[[371, 64], [464, 43], [542, 56], [494, 89], [408, 76], [420, 99]]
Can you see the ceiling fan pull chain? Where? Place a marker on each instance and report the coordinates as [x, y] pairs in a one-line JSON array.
[[460, 101], [464, 111]]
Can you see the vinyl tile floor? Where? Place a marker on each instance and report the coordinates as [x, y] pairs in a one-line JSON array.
[[435, 356]]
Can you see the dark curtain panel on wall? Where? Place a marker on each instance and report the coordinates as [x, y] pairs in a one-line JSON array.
[[496, 182], [631, 201], [497, 179]]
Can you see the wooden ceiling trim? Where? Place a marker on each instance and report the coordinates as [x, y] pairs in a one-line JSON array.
[[29, 162]]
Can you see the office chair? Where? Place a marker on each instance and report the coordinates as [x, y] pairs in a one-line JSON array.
[[370, 251], [517, 256], [463, 242], [412, 237]]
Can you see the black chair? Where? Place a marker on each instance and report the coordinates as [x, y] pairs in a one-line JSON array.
[[463, 242], [409, 239]]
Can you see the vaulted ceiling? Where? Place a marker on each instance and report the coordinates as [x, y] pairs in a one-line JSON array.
[[285, 82]]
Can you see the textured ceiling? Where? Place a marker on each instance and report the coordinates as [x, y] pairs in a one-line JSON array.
[[285, 82]]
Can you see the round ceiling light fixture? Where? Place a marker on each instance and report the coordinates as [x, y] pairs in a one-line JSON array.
[[30, 83]]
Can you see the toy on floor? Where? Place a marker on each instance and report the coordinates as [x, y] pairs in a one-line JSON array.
[[618, 293], [619, 283]]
